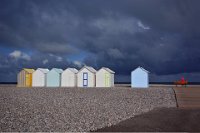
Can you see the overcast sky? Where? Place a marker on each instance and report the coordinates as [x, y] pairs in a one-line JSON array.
[[163, 36]]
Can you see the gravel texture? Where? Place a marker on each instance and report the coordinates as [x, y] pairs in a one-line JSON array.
[[75, 109]]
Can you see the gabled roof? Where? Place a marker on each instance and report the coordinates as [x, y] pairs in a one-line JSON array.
[[43, 70], [74, 70], [29, 70], [107, 69], [57, 70], [91, 69], [141, 69]]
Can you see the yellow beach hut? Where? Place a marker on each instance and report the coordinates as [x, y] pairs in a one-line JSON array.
[[24, 78]]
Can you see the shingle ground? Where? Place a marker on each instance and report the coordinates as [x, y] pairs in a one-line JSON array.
[[75, 109]]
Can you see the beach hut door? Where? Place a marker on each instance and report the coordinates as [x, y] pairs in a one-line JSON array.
[[107, 79], [85, 79], [28, 79]]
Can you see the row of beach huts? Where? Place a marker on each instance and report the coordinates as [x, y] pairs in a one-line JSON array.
[[71, 77]]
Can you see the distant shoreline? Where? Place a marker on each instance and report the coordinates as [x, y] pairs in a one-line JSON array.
[[162, 83]]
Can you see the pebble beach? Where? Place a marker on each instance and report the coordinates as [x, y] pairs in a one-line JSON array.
[[76, 109]]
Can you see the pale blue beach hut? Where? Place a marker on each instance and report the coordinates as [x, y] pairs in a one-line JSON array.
[[140, 78], [54, 77]]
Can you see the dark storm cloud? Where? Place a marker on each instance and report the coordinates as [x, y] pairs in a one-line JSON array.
[[161, 35]]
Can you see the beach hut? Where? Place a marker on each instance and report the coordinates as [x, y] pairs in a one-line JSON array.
[[140, 78], [24, 77], [86, 77], [69, 77], [39, 77], [105, 77], [54, 77]]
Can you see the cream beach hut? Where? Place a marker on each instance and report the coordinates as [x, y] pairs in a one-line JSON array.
[[86, 77], [69, 77], [54, 77], [105, 77], [39, 77], [24, 77], [140, 78]]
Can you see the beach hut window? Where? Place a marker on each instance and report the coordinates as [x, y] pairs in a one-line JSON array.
[[85, 79]]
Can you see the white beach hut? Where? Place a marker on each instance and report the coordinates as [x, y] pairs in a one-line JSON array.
[[69, 77], [105, 77], [140, 78], [86, 77], [39, 77]]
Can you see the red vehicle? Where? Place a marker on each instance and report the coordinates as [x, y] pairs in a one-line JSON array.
[[181, 82]]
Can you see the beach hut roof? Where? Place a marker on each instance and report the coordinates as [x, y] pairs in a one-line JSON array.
[[107, 69], [91, 69], [74, 70], [43, 70], [142, 69], [58, 70], [29, 70]]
